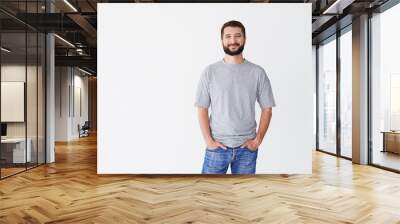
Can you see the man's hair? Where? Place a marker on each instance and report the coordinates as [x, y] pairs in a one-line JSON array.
[[233, 23]]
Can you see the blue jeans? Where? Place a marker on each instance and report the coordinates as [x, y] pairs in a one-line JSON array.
[[242, 161]]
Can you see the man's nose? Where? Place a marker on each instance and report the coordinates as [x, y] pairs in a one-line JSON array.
[[232, 41]]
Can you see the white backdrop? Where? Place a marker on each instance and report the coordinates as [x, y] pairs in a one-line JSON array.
[[150, 57]]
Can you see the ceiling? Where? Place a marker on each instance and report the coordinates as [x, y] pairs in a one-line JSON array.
[[75, 21]]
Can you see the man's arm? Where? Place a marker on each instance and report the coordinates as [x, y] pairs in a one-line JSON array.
[[266, 115], [205, 129]]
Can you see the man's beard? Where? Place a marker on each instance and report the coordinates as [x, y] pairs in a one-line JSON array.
[[235, 52]]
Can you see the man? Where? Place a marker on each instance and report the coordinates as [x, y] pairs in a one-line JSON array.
[[231, 87]]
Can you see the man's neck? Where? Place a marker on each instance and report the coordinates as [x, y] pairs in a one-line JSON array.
[[237, 59]]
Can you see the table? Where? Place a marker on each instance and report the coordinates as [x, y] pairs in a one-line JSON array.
[[13, 150], [391, 141]]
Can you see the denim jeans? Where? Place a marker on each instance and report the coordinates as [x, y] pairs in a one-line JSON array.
[[242, 160]]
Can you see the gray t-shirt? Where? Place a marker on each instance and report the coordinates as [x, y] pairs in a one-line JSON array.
[[232, 90]]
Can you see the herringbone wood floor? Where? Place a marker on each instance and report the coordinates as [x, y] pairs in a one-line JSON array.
[[70, 191]]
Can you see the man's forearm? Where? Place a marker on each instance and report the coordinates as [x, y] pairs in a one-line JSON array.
[[265, 119], [205, 125]]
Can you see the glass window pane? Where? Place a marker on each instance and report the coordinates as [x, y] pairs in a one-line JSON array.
[[14, 153], [41, 98], [346, 94], [385, 83], [32, 95], [22, 89], [31, 86], [327, 97]]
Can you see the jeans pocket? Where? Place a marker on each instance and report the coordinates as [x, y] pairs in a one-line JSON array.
[[250, 150], [213, 149]]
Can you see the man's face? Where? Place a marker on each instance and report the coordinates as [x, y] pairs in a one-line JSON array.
[[233, 40]]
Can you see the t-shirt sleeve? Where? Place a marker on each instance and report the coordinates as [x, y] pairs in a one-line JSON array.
[[265, 97], [203, 91]]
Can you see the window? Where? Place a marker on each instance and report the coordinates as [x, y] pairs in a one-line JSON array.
[[22, 77], [385, 89], [346, 94], [327, 96]]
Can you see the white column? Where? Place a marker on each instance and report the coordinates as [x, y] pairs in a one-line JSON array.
[[360, 90], [50, 92]]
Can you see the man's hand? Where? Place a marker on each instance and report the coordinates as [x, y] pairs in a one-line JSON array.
[[266, 114], [214, 145], [251, 144]]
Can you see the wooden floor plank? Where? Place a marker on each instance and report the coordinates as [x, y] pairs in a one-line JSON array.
[[70, 191]]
